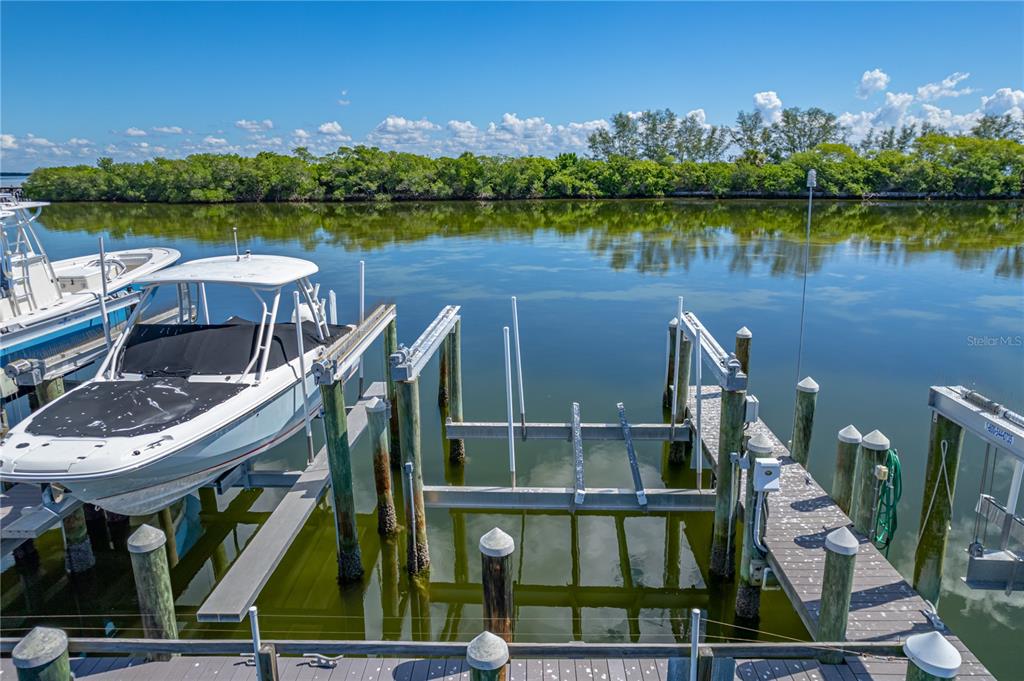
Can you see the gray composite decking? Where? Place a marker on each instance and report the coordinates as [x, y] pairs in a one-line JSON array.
[[884, 607], [455, 669]]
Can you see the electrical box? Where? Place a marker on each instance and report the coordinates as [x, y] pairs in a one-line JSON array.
[[750, 414], [767, 472]]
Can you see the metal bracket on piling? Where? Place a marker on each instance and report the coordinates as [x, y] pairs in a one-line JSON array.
[[407, 363], [579, 488], [726, 368], [342, 356], [634, 466]]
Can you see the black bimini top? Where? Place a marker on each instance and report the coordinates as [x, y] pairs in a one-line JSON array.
[[166, 355], [129, 408]]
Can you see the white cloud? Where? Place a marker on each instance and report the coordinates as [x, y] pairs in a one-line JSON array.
[[947, 87], [39, 141], [398, 132], [515, 135], [700, 116], [79, 142], [212, 141], [871, 82], [301, 134], [169, 129], [8, 142], [255, 126], [1004, 101], [330, 128], [344, 101], [135, 132], [770, 106], [946, 119]]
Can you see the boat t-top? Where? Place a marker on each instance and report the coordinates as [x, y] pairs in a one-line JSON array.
[[175, 405], [42, 300]]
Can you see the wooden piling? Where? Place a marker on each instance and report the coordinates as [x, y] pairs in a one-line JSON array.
[[96, 526], [339, 460], [409, 430], [444, 376], [496, 549], [456, 448], [803, 420], [377, 416], [945, 443], [730, 439], [836, 588], [390, 348], [119, 526], [846, 463], [866, 485], [268, 663], [677, 451], [153, 584], [167, 525], [78, 555], [743, 338], [930, 657], [46, 392], [487, 656], [748, 594], [42, 655]]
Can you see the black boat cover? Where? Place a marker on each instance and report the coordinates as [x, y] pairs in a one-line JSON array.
[[211, 349], [129, 408]]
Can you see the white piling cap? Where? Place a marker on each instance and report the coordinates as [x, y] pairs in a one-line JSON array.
[[487, 652], [875, 440], [146, 539], [760, 444], [812, 178], [850, 435], [497, 544], [808, 385], [377, 405], [842, 541], [933, 654], [744, 332], [40, 646]]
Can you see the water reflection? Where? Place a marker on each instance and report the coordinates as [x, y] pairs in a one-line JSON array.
[[651, 236]]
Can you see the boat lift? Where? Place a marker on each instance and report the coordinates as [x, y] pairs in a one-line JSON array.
[[1002, 566]]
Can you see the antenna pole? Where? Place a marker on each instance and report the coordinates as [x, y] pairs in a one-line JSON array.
[[234, 233], [508, 400], [812, 182], [519, 366]]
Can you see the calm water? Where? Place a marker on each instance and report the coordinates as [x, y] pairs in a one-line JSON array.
[[900, 297]]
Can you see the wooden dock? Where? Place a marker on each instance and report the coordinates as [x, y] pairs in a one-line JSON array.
[[883, 607], [237, 668]]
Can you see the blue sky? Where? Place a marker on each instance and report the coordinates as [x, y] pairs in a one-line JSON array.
[[135, 80]]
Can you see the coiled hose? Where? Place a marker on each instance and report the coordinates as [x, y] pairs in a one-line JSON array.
[[886, 516]]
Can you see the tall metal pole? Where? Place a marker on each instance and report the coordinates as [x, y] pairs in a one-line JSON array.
[[519, 366], [698, 447], [675, 365], [103, 295], [362, 314], [299, 340], [694, 640], [508, 401], [812, 182]]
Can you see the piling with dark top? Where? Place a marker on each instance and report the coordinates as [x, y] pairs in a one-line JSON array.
[[409, 430], [390, 348], [96, 526], [167, 525], [268, 663], [377, 416], [78, 555], [677, 451], [846, 463], [339, 460], [748, 594], [730, 439], [743, 338], [944, 445], [487, 656], [803, 420], [120, 526], [42, 656], [930, 657], [453, 346], [443, 375], [153, 584], [496, 549], [866, 484], [841, 549]]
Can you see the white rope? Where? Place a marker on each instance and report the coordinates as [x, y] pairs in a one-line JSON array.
[[943, 447]]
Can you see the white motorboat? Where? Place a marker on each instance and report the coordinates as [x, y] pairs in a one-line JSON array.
[[42, 301], [173, 406]]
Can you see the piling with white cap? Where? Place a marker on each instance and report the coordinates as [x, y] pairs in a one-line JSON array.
[[841, 549], [930, 657], [849, 439], [153, 584], [487, 656], [730, 439], [866, 485], [42, 655], [803, 420], [496, 548]]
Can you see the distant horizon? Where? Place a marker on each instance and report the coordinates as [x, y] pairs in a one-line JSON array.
[[494, 78]]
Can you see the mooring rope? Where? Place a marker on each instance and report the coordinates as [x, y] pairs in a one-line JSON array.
[[943, 448]]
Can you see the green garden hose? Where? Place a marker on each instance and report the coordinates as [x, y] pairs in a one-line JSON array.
[[886, 517]]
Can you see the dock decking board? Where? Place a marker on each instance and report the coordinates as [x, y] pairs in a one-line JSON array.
[[883, 605], [239, 588]]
